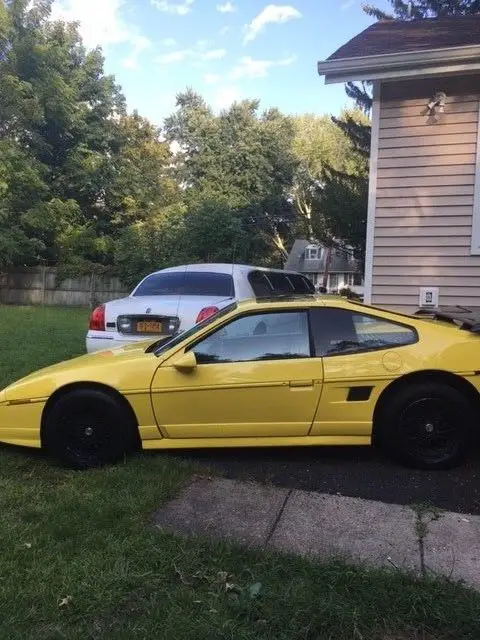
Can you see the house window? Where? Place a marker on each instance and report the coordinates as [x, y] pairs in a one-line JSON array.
[[475, 250], [333, 281], [313, 253]]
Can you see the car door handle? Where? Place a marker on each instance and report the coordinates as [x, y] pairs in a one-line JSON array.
[[296, 384]]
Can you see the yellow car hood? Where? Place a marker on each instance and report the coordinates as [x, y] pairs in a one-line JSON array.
[[123, 368]]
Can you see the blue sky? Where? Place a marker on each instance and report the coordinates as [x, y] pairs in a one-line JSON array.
[[225, 49]]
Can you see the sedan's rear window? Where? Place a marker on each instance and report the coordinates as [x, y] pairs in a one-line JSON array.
[[267, 283], [194, 283]]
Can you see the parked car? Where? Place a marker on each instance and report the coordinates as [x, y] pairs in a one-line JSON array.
[[175, 299], [310, 371]]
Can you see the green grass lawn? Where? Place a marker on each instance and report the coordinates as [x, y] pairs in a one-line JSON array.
[[79, 558]]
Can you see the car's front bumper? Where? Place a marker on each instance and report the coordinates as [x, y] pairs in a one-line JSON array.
[[20, 422]]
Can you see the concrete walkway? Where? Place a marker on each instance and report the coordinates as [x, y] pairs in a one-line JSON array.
[[320, 525]]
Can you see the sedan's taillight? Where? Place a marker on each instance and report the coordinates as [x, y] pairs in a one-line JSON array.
[[97, 319], [206, 312]]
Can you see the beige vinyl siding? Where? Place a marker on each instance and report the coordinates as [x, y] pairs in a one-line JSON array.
[[425, 192]]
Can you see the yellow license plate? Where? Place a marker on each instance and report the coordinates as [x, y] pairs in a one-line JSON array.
[[149, 326]]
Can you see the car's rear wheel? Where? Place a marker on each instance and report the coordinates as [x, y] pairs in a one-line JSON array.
[[88, 428], [426, 425]]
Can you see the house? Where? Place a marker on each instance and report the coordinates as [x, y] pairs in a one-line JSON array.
[[311, 259], [423, 232]]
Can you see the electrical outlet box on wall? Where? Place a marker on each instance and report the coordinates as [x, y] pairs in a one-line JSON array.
[[428, 297]]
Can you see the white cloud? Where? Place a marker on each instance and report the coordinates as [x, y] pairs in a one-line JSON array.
[[178, 8], [169, 42], [140, 43], [214, 54], [174, 56], [249, 68], [227, 7], [271, 14], [100, 23], [191, 54], [212, 78], [348, 4], [202, 44], [223, 97]]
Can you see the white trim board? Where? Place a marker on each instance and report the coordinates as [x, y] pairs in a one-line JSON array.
[[399, 74], [372, 192], [475, 247]]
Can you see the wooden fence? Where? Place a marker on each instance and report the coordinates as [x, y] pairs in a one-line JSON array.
[[39, 286]]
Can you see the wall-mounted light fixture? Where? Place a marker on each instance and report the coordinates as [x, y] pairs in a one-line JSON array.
[[437, 102]]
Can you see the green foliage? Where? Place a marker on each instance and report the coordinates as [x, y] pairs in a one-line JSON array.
[[344, 200], [405, 10], [331, 180], [240, 158], [151, 244], [74, 167], [90, 188]]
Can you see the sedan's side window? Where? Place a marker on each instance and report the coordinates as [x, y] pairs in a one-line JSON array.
[[263, 336], [339, 331]]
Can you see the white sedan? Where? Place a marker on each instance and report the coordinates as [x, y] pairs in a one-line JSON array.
[[175, 299]]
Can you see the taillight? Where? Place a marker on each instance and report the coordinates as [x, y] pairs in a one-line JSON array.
[[206, 312], [97, 319]]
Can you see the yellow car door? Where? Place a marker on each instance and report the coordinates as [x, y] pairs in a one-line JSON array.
[[252, 377], [362, 354]]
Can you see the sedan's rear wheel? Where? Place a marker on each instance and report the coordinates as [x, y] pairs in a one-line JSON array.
[[426, 425], [88, 428]]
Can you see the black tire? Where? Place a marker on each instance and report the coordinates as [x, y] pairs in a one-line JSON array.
[[425, 425], [88, 428]]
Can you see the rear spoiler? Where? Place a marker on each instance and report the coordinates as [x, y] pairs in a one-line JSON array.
[[463, 317]]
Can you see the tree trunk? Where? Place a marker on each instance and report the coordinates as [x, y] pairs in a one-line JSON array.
[[328, 262]]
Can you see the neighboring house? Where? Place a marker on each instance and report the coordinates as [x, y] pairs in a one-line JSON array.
[[423, 235], [311, 260]]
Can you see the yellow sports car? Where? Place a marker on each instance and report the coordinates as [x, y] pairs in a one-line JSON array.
[[285, 371]]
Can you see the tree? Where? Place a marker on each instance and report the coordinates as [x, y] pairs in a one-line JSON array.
[[331, 181], [318, 145], [75, 169], [142, 184], [151, 244], [405, 10], [243, 160]]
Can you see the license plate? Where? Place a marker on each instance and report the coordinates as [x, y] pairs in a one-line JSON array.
[[149, 326]]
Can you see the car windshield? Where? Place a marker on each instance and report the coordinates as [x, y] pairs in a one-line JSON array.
[[187, 283], [161, 346]]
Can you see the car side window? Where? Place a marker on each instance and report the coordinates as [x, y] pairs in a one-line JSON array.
[[340, 331], [262, 336]]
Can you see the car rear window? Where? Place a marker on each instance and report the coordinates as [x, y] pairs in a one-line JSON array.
[[196, 283], [266, 283]]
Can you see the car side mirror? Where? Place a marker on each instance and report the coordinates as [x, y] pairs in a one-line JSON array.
[[186, 363]]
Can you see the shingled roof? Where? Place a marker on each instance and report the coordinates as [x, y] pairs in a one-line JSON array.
[[405, 46], [400, 36]]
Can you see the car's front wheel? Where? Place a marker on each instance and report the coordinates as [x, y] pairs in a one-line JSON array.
[[88, 428], [426, 425]]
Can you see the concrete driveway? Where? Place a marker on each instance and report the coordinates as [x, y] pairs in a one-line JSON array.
[[360, 472]]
